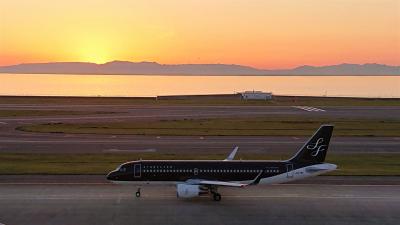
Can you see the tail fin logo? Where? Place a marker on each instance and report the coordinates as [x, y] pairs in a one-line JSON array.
[[317, 147]]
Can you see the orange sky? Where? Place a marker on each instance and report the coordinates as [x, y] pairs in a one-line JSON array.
[[259, 33]]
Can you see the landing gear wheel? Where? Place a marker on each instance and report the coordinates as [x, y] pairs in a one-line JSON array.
[[217, 197], [137, 193]]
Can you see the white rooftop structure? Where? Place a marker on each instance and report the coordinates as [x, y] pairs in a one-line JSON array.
[[256, 95]]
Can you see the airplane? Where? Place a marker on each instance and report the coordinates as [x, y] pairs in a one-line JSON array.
[[203, 177]]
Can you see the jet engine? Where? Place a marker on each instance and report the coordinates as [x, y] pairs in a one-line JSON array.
[[189, 190]]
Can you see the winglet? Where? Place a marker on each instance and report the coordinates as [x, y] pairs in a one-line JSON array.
[[232, 155]]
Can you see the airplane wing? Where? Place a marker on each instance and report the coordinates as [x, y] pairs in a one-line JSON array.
[[255, 181], [232, 155], [221, 183]]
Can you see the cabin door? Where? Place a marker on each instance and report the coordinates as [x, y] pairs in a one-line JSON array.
[[137, 170], [290, 171]]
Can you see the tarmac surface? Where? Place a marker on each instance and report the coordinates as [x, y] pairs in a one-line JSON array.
[[75, 200], [100, 203], [17, 141], [61, 143]]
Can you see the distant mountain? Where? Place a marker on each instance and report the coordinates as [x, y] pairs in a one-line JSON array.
[[151, 68]]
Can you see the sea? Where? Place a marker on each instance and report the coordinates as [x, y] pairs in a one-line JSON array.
[[156, 85]]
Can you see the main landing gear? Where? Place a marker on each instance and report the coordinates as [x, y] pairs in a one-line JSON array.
[[137, 194], [216, 196]]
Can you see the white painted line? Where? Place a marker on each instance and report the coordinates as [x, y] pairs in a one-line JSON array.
[[309, 108], [317, 109], [130, 150], [3, 124], [306, 108]]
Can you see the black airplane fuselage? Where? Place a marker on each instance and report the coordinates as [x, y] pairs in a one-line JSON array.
[[183, 170], [196, 177]]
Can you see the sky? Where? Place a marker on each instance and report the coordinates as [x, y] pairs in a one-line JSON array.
[[270, 34]]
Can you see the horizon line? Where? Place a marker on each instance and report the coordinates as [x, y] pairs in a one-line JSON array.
[[290, 68]]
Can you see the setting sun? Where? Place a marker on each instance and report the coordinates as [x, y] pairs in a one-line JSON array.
[[262, 34], [94, 54], [94, 49]]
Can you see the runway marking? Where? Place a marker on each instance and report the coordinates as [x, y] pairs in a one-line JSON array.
[[4, 123], [130, 150], [309, 109]]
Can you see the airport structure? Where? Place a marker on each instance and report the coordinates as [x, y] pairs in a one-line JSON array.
[[256, 95]]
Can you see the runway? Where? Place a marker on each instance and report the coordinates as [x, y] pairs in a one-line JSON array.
[[98, 203], [132, 112], [16, 141], [61, 143]]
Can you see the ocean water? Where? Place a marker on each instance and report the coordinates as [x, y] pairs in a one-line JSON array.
[[153, 85]]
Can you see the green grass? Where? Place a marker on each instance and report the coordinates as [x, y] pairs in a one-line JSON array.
[[17, 113], [206, 100], [272, 126], [30, 163]]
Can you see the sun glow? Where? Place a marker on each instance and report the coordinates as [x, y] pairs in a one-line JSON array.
[[175, 31], [94, 50]]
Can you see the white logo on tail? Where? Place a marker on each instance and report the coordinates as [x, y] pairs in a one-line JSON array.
[[317, 147]]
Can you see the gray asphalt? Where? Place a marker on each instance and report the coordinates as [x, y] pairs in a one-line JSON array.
[[12, 140], [87, 204], [157, 112], [60, 143]]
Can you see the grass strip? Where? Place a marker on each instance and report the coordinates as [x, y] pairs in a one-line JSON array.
[[261, 126], [203, 100], [30, 163], [17, 113]]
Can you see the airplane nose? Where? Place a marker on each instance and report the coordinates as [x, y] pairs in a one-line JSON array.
[[111, 175]]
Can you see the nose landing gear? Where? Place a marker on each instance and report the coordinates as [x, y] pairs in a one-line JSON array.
[[137, 194]]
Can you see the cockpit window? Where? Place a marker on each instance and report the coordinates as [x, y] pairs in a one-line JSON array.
[[121, 168]]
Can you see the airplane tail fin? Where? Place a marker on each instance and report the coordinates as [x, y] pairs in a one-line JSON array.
[[314, 150]]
